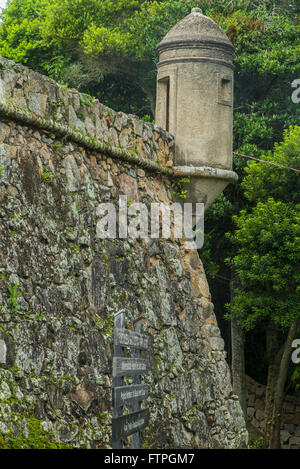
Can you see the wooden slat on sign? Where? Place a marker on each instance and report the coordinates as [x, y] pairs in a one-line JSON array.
[[129, 366], [119, 322], [136, 439], [129, 424], [127, 338], [126, 395]]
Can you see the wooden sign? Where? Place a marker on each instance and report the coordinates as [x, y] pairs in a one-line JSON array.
[[118, 381], [127, 338], [129, 424], [129, 366], [126, 395]]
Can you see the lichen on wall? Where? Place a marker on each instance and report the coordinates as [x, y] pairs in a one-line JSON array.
[[60, 285]]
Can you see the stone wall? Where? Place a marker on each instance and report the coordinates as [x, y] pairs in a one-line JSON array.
[[30, 97], [61, 154], [290, 429]]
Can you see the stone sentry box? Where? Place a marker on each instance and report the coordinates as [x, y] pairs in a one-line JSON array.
[[195, 103], [132, 395]]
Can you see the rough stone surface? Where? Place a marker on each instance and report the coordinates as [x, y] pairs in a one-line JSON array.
[[290, 426], [60, 286], [46, 99], [195, 28]]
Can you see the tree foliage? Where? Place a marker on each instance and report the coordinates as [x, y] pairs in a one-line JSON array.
[[263, 180], [268, 238], [80, 42], [267, 263]]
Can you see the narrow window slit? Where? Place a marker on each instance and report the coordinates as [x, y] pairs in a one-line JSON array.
[[168, 105]]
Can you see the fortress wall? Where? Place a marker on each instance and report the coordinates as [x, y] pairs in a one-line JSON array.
[[60, 285]]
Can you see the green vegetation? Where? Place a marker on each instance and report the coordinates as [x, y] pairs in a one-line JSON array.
[[46, 175], [102, 48], [108, 50], [34, 438], [74, 247], [12, 302], [266, 262], [180, 187], [257, 444]]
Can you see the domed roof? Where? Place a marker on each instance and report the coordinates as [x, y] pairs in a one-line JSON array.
[[195, 28]]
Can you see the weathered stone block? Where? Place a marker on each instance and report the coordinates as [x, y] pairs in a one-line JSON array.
[[284, 436], [128, 185], [37, 103], [294, 442]]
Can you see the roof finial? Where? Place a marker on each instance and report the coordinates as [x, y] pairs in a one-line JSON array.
[[196, 11]]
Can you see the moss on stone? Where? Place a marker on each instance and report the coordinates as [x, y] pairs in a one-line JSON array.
[[34, 438]]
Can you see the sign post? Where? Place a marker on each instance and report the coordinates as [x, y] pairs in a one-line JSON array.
[[136, 443], [129, 424], [119, 322]]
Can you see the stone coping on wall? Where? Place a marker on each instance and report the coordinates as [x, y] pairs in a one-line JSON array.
[[35, 99], [206, 172]]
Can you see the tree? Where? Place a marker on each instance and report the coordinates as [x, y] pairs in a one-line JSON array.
[[267, 264], [20, 37], [81, 42]]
